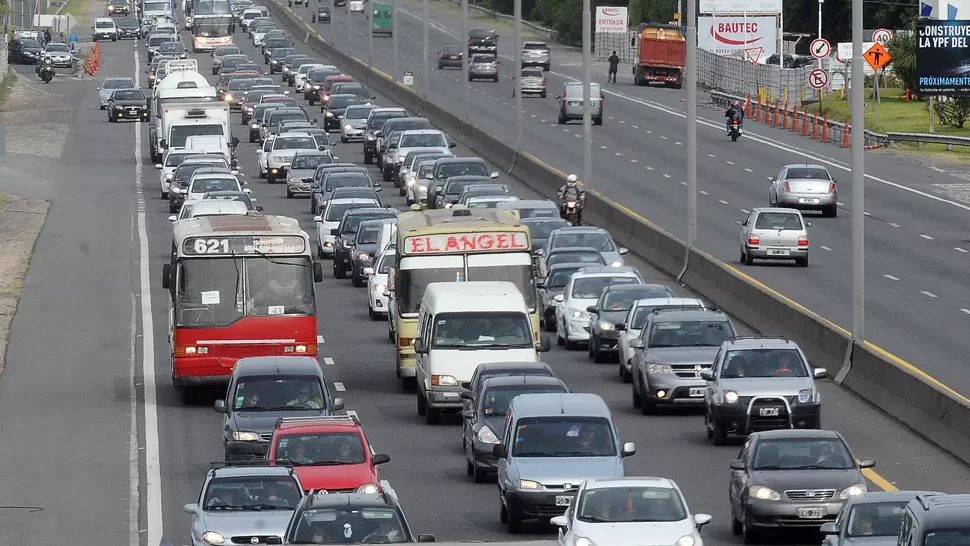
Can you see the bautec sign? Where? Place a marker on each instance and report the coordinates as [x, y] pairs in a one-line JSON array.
[[726, 35], [611, 19]]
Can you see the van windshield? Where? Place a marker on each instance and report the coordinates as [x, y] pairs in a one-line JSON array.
[[481, 330], [563, 436]]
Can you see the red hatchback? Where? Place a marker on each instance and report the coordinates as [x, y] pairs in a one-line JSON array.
[[328, 453]]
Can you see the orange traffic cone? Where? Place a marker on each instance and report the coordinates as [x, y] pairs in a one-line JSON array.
[[825, 128], [774, 120], [794, 119], [805, 124], [846, 129], [784, 117]]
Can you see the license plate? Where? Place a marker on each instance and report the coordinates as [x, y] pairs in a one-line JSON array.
[[696, 392], [768, 412], [777, 252], [575, 103], [811, 513], [566, 500], [808, 201]]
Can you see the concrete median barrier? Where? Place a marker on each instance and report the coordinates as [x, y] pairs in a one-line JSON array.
[[900, 390]]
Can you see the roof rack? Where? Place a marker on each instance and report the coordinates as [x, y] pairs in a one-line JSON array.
[[923, 502], [317, 419], [736, 338], [681, 308], [252, 462]]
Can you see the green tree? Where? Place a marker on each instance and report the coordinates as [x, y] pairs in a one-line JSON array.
[[903, 50]]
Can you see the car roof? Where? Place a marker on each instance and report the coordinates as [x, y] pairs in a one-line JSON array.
[[318, 423], [568, 265], [534, 204], [635, 287], [761, 342], [369, 210], [251, 470], [798, 433], [506, 366], [270, 365], [466, 159], [580, 229], [350, 201], [572, 403], [356, 500], [631, 481], [805, 166], [688, 315], [760, 210], [218, 205], [516, 380], [565, 249], [673, 302], [614, 272]]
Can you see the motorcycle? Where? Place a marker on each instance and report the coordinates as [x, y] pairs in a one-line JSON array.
[[46, 72], [735, 130], [571, 212]]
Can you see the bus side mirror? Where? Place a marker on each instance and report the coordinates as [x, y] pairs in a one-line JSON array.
[[166, 276], [317, 272]]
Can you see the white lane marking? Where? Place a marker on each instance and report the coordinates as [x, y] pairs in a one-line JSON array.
[[928, 294], [839, 203], [890, 277], [749, 170], [679, 143], [320, 339], [702, 192], [577, 135], [542, 121], [666, 175], [866, 214], [634, 126], [650, 168], [682, 183], [722, 201], [153, 468], [927, 237], [729, 162], [710, 155], [823, 247], [618, 154], [663, 137], [937, 169], [894, 224], [746, 211], [339, 387], [621, 121], [634, 161], [328, 361], [649, 132], [967, 311], [602, 147], [958, 249]]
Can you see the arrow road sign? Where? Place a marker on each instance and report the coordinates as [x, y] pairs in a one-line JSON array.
[[754, 53], [818, 78], [877, 56], [882, 36], [821, 48]]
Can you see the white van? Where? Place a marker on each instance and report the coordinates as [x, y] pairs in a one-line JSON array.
[[211, 144], [104, 29], [462, 325]]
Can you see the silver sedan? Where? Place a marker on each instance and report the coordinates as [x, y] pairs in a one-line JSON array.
[[804, 187], [483, 67]]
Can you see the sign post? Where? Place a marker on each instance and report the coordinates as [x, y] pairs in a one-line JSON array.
[[878, 58], [821, 49], [408, 78]]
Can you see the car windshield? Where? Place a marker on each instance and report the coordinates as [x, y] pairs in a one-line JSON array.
[[807, 173], [367, 235], [564, 436], [560, 277], [320, 448], [643, 311], [222, 51], [387, 262], [693, 333], [342, 101], [251, 493], [158, 40], [295, 143], [451, 49], [275, 119], [575, 256], [241, 85], [118, 84], [782, 221], [127, 22], [802, 454], [336, 211], [205, 185], [181, 132], [424, 140], [104, 24], [232, 62], [278, 393], [174, 160], [29, 44], [447, 170], [237, 197], [377, 120], [542, 229], [535, 45], [483, 59], [622, 300], [496, 400], [184, 172], [352, 222], [532, 74], [497, 189], [764, 363], [455, 187], [348, 525], [341, 88], [949, 537], [357, 112], [348, 180], [128, 94], [310, 161], [877, 519], [631, 504], [59, 48], [595, 240], [481, 330], [590, 288]]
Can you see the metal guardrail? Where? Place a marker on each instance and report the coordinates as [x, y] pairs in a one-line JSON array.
[[838, 129], [547, 32]]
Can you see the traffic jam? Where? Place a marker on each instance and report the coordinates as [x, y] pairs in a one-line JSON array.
[[472, 282]]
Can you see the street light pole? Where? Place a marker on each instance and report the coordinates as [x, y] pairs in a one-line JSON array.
[[370, 36], [394, 16], [587, 96], [350, 30], [857, 143], [466, 85], [424, 58], [517, 75], [691, 83]]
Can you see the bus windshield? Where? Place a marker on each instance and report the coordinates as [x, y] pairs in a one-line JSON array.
[[210, 7], [210, 27], [220, 291]]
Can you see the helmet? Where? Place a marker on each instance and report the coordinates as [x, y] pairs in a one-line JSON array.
[[571, 180], [737, 103]]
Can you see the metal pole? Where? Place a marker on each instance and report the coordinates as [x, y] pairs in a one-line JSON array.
[[857, 105], [466, 85], [394, 17], [350, 30], [587, 96], [424, 59], [691, 83], [517, 75], [370, 34]]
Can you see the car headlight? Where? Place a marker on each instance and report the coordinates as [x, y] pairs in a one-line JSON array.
[[730, 397], [286, 69], [329, 114], [119, 107], [368, 489], [583, 541], [228, 97], [169, 176], [761, 492], [245, 436], [371, 137], [379, 288], [364, 257], [577, 314], [294, 180], [316, 87], [617, 263], [348, 127], [444, 380], [486, 436], [852, 491], [401, 158], [274, 61], [686, 540], [213, 537], [805, 396], [606, 326], [529, 484], [659, 369], [175, 189]]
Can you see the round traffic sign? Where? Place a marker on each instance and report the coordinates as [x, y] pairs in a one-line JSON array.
[[821, 48], [818, 78], [882, 36]]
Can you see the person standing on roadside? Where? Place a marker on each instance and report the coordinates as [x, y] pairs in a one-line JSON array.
[[614, 66]]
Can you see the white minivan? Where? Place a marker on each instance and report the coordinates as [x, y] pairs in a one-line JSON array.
[[210, 144], [462, 325]]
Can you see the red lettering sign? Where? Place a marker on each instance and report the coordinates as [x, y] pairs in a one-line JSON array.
[[737, 28], [466, 242]]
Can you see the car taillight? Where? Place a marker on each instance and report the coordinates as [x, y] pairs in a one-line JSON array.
[[547, 52], [787, 187], [831, 187], [494, 65], [803, 240], [754, 240], [470, 42], [601, 97], [543, 82], [525, 51]]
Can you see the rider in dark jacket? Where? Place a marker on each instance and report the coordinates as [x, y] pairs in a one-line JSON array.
[[735, 111]]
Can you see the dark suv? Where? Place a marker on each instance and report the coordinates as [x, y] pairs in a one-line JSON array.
[[483, 40], [24, 50], [346, 233]]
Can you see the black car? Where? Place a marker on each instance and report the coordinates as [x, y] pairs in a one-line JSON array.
[[553, 284], [364, 250], [119, 7], [127, 105], [173, 49], [277, 57], [449, 56], [540, 228], [484, 421], [375, 124], [335, 109], [346, 232], [286, 65], [331, 177], [349, 88], [612, 307], [256, 120], [323, 14], [266, 388], [339, 3], [24, 50], [128, 27], [182, 176], [483, 40], [290, 75], [272, 44], [315, 81], [361, 518]]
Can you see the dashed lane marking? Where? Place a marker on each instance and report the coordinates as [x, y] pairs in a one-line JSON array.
[[320, 339], [928, 294], [328, 361], [823, 247], [890, 277], [958, 249], [339, 387], [722, 201], [927, 237]]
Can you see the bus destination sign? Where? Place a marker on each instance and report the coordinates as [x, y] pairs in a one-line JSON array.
[[456, 243], [243, 244]]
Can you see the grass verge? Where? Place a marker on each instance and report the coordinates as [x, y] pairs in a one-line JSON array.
[[5, 199], [505, 28], [6, 86]]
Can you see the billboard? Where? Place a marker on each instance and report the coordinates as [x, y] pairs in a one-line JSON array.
[[731, 7], [945, 9], [943, 57], [725, 35], [611, 19]]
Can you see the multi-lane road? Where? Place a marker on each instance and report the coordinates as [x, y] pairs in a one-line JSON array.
[[917, 247], [92, 333]]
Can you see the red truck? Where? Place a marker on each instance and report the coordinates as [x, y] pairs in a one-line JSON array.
[[661, 55]]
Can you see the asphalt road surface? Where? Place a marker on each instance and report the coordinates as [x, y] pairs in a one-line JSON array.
[[916, 237], [65, 395]]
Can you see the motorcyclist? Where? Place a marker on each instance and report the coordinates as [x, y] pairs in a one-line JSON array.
[[735, 111], [572, 190]]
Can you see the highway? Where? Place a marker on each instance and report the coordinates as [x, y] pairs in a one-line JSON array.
[[85, 338], [916, 240]]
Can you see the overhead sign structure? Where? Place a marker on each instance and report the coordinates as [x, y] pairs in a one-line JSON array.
[[818, 78], [821, 48], [754, 53], [727, 35], [882, 36], [843, 52], [611, 19], [942, 51], [408, 79], [877, 56], [731, 7]]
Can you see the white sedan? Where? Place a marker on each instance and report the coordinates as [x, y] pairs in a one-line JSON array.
[[622, 511], [377, 294]]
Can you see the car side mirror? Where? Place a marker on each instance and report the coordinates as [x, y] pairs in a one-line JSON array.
[[158, 165], [637, 344], [706, 375], [741, 222], [559, 298], [620, 327], [700, 520], [736, 464], [867, 463], [592, 309], [493, 175], [166, 275], [369, 271], [235, 141], [317, 272], [452, 144], [425, 538], [318, 219], [420, 348], [629, 448], [829, 528], [234, 172], [499, 451], [808, 224], [334, 231], [624, 251], [770, 178], [173, 218], [468, 414], [220, 406], [247, 190], [337, 404], [191, 508], [544, 344], [259, 208], [559, 521], [380, 458], [819, 373], [835, 181], [429, 176]]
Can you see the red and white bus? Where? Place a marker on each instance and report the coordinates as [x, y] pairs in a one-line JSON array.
[[240, 286]]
